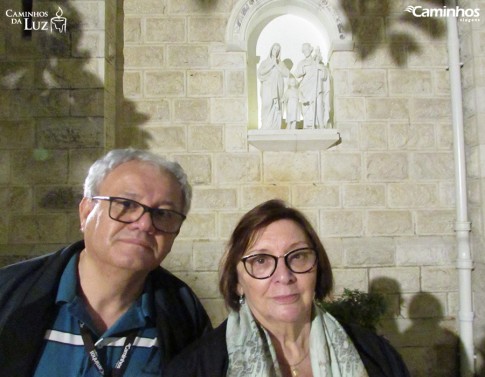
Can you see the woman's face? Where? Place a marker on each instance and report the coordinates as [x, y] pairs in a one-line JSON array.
[[275, 51], [285, 297]]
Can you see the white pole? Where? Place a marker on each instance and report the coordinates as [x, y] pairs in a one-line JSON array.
[[462, 225]]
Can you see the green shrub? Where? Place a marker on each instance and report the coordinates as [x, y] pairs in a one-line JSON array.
[[356, 307]]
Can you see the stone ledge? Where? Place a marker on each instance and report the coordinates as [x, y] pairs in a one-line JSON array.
[[293, 140]]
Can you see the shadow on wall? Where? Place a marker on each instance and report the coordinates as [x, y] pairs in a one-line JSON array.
[[415, 326], [375, 25], [54, 121]]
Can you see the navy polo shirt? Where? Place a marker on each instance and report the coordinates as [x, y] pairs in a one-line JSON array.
[[63, 352]]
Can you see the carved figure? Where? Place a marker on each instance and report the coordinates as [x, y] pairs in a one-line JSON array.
[[291, 101], [313, 76], [271, 73]]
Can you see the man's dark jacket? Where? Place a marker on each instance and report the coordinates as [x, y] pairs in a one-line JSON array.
[[208, 356], [27, 308]]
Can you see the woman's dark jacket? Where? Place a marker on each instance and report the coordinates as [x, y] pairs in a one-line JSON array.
[[27, 308], [208, 356]]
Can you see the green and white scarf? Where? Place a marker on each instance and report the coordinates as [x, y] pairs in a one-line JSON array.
[[251, 353]]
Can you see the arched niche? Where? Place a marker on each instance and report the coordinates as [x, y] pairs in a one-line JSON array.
[[249, 18]]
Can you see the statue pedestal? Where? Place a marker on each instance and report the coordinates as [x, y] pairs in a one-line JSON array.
[[293, 140]]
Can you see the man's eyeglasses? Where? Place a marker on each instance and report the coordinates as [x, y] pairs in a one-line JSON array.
[[263, 266], [128, 211]]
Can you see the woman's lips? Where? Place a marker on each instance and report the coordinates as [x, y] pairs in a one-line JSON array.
[[286, 299]]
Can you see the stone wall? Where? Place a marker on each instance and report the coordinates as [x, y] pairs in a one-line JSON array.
[[382, 200]]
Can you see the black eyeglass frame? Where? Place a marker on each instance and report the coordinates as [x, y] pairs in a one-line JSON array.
[[148, 209], [276, 259]]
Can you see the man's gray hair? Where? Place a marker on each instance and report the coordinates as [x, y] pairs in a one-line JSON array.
[[102, 167]]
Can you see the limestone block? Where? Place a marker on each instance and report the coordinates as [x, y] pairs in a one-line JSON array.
[[361, 252], [167, 138], [207, 255], [204, 83], [335, 251], [341, 223], [225, 110], [386, 108], [411, 136], [235, 83], [349, 278], [238, 168], [340, 81], [37, 229], [73, 228], [432, 166], [431, 108], [88, 43], [434, 55], [203, 283], [70, 132], [371, 82], [207, 29], [150, 110], [235, 138], [90, 14], [304, 167], [80, 161], [38, 166], [16, 199], [315, 196], [210, 198], [199, 226], [390, 223], [369, 29], [5, 166], [346, 59], [164, 83], [350, 109], [87, 102], [405, 195], [442, 82], [17, 134], [435, 222], [191, 110], [143, 56], [410, 82], [166, 29], [361, 195], [439, 279], [57, 198], [374, 136], [180, 258], [425, 251], [388, 279], [341, 167], [149, 7], [55, 103], [12, 79], [227, 223], [188, 56], [350, 132], [448, 196], [197, 166], [132, 86], [254, 195], [216, 310], [205, 138], [386, 166], [132, 29], [228, 60], [190, 6]]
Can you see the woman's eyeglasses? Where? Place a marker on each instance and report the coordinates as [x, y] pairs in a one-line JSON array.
[[263, 266]]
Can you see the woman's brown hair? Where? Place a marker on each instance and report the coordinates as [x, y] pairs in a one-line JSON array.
[[246, 232]]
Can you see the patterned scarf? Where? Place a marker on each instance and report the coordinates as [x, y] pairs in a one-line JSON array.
[[251, 353]]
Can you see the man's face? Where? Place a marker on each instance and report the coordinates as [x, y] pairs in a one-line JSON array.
[[138, 246], [307, 50]]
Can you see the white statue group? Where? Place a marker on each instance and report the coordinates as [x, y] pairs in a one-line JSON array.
[[306, 96]]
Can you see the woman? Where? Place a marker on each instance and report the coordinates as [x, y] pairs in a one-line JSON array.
[[271, 73], [274, 269]]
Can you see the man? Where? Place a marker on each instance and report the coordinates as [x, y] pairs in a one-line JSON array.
[[313, 75], [104, 306]]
